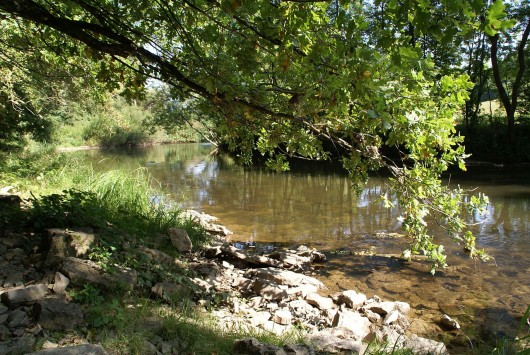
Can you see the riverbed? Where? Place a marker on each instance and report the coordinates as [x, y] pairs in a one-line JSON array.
[[314, 205]]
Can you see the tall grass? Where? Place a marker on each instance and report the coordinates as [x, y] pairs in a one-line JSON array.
[[64, 192]]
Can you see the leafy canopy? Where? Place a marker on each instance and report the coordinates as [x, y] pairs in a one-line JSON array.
[[295, 78]]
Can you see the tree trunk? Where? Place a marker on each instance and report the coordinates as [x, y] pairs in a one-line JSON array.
[[509, 102]]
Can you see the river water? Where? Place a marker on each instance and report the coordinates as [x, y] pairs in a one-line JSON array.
[[313, 205]]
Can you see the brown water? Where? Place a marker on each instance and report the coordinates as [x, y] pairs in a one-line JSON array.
[[315, 207]]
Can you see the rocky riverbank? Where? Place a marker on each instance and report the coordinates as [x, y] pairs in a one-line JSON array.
[[273, 293]]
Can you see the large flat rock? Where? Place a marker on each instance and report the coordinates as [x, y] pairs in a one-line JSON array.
[[24, 295], [81, 272], [285, 277]]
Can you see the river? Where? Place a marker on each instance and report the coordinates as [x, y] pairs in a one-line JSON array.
[[313, 205]]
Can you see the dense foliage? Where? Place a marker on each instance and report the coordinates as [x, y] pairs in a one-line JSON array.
[[309, 79]]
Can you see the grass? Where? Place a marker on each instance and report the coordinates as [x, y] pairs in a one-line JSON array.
[[520, 344]]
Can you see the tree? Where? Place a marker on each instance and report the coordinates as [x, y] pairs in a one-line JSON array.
[[41, 73], [494, 28], [297, 78]]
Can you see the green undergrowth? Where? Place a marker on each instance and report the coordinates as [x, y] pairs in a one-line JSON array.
[[114, 122]]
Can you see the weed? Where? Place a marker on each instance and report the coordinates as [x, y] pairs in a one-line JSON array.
[[101, 312], [520, 344]]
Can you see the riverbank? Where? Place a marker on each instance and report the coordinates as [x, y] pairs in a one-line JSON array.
[[369, 273], [57, 293]]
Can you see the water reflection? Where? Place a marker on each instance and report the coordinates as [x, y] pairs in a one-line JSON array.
[[316, 207]]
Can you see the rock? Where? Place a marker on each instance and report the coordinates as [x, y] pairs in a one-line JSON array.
[[251, 346], [372, 317], [201, 285], [295, 304], [259, 318], [357, 324], [449, 322], [24, 295], [268, 290], [383, 308], [332, 340], [256, 302], [227, 265], [180, 240], [165, 347], [14, 279], [298, 349], [4, 334], [63, 243], [81, 272], [3, 309], [329, 315], [285, 277], [282, 316], [53, 314], [391, 317], [212, 252], [319, 301], [206, 221], [316, 256], [60, 284], [172, 292], [49, 345], [242, 283], [23, 345], [275, 328], [291, 260], [156, 255], [209, 270], [244, 260], [420, 345], [301, 291], [17, 318], [350, 298], [272, 306], [402, 307], [88, 349], [387, 335]]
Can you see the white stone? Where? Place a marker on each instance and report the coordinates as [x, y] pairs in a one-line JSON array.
[[352, 299], [391, 317], [282, 316], [449, 322], [319, 301], [359, 325], [286, 277], [275, 328]]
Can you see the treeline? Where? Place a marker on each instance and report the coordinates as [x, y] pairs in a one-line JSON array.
[[52, 93]]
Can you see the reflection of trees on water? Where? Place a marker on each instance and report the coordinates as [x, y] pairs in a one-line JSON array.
[[506, 219], [307, 207], [303, 207]]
